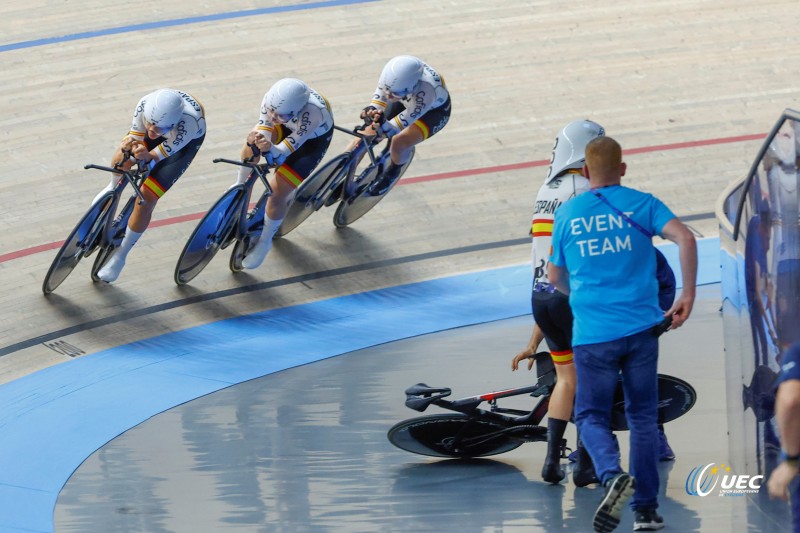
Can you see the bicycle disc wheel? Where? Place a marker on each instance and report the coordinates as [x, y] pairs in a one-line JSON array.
[[434, 435], [212, 233], [675, 399], [80, 243], [309, 195], [369, 191]]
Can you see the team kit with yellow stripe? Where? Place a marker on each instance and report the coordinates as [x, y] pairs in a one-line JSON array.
[[551, 308], [427, 107], [174, 151], [294, 130]]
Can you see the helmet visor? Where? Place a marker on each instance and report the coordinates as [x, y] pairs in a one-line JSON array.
[[398, 94], [160, 131], [279, 118]]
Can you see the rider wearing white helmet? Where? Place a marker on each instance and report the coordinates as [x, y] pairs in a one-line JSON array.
[[415, 103], [551, 310], [293, 132], [167, 130]]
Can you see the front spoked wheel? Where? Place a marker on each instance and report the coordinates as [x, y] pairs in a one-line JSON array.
[[214, 231], [452, 436], [314, 192], [370, 188], [80, 243]]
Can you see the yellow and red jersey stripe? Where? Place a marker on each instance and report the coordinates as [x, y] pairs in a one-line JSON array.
[[542, 227], [562, 358], [154, 187], [423, 128], [289, 175]]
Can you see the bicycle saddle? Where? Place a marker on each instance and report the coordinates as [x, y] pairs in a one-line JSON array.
[[420, 396]]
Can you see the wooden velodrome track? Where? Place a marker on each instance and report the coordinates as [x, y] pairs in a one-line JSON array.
[[688, 87]]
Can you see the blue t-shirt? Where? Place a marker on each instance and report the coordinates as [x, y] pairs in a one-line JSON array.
[[611, 264]]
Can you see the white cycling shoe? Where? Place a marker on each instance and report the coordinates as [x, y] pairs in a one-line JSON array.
[[258, 253], [109, 188], [110, 272]]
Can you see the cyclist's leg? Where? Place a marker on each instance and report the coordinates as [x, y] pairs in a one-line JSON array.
[[286, 178], [421, 130], [163, 176], [552, 312]]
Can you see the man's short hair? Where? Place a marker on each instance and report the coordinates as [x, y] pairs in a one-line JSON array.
[[603, 156]]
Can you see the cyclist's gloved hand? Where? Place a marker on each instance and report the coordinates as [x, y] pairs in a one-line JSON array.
[[367, 112]]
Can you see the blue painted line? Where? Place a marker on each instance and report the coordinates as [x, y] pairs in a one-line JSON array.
[[52, 420], [179, 22]]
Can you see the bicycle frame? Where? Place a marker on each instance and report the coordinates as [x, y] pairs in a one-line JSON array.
[[257, 172], [420, 396]]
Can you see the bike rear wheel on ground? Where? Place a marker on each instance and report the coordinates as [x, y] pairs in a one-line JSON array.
[[675, 398], [80, 243], [369, 190], [435, 435], [309, 195], [214, 232]]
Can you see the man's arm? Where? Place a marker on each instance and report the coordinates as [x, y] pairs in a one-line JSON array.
[[787, 416], [678, 233], [558, 277]]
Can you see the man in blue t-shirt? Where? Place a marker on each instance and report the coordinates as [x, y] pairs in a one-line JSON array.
[[603, 258]]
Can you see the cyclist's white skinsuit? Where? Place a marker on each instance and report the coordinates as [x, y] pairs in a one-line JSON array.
[[430, 93], [191, 126], [313, 120], [550, 196]]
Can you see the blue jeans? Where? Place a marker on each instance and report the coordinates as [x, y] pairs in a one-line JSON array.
[[598, 368]]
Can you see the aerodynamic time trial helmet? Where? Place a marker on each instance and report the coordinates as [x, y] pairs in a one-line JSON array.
[[401, 74], [570, 148], [163, 109], [285, 99]]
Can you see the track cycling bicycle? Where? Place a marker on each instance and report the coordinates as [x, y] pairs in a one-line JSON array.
[[230, 221], [98, 230], [337, 181], [477, 432]]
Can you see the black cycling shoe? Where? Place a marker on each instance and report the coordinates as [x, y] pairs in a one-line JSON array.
[[583, 473], [387, 180], [552, 471], [647, 520]]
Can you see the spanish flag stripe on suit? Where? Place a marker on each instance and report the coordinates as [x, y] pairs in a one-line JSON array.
[[542, 227], [562, 358]]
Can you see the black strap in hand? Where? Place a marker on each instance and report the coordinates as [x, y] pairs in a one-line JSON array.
[[628, 219]]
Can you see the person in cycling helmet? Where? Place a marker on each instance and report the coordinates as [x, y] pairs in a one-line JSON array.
[[551, 310], [168, 129], [293, 133], [410, 104]]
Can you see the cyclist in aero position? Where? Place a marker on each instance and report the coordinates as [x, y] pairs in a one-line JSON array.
[[410, 104], [168, 129], [551, 310], [293, 133]]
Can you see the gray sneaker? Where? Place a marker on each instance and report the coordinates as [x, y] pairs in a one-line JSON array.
[[619, 490]]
